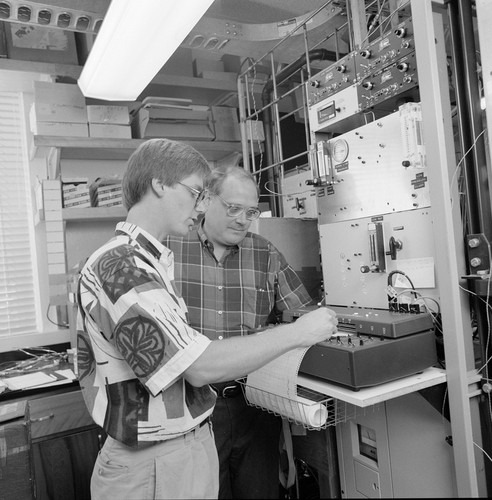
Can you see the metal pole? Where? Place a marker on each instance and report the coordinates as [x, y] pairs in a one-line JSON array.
[[448, 240]]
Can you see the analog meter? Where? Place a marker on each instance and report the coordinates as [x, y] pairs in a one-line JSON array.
[[340, 150]]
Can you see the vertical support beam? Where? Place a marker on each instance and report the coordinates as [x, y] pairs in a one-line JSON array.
[[242, 89], [484, 20], [358, 23], [448, 241]]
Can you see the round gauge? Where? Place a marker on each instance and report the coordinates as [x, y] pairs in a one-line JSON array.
[[340, 150]]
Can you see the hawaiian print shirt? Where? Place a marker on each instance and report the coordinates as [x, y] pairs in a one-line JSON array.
[[134, 342]]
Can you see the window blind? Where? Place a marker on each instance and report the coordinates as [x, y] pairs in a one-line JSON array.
[[17, 295]]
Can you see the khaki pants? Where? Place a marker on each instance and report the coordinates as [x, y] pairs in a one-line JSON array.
[[183, 467]]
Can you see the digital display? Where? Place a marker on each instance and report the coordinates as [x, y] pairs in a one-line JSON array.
[[327, 113]]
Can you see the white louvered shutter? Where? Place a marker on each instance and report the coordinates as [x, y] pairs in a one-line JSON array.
[[17, 292]]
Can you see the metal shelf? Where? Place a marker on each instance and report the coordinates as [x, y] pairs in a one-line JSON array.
[[93, 148], [94, 213]]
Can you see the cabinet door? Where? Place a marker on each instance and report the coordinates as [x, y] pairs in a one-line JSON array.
[[15, 467], [62, 467]]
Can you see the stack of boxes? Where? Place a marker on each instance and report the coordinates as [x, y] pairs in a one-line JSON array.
[[187, 121], [174, 121], [109, 121], [55, 241], [58, 109], [76, 193], [106, 193]]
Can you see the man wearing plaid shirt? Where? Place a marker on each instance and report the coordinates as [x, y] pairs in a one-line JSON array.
[[231, 281]]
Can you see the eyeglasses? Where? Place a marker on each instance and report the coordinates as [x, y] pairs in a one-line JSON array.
[[201, 197], [237, 210]]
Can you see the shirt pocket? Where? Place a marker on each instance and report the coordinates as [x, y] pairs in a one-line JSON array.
[[258, 304]]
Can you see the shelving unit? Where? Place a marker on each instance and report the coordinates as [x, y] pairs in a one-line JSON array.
[[92, 148], [94, 213]]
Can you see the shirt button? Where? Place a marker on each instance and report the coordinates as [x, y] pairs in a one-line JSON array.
[[220, 337], [219, 312], [220, 287]]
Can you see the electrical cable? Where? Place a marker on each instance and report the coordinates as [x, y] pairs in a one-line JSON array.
[[458, 166], [281, 194]]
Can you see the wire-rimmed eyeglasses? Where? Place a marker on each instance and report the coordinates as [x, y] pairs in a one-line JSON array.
[[201, 197], [252, 213]]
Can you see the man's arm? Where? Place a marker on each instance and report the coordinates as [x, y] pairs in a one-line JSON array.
[[235, 357], [290, 292]]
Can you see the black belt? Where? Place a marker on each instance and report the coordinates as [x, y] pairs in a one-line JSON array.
[[227, 389], [206, 421]]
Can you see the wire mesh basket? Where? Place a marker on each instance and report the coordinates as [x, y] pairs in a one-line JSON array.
[[309, 409]]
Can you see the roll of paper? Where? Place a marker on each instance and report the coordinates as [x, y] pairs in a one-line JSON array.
[[315, 414], [274, 388]]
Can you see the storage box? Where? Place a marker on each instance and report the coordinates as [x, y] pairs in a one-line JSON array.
[[57, 128], [82, 202], [59, 102], [76, 195], [103, 188], [254, 130], [70, 188], [114, 202], [184, 113], [109, 189], [220, 75], [109, 197], [118, 115], [144, 127], [226, 124], [202, 64], [40, 44], [110, 130], [72, 195]]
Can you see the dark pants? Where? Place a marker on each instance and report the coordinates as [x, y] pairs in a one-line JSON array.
[[247, 441]]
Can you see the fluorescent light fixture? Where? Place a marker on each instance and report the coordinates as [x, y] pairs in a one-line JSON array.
[[136, 38]]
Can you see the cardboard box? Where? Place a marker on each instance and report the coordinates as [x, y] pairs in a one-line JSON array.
[[104, 187], [75, 195], [115, 202], [226, 124], [220, 75], [59, 102], [254, 130], [59, 128], [110, 130], [40, 44], [109, 188], [197, 130], [74, 199], [201, 64], [118, 115], [71, 188], [182, 113], [78, 203], [109, 196]]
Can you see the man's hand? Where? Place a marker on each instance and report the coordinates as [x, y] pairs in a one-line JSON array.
[[316, 326]]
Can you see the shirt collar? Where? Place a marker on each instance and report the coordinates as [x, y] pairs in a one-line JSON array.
[[207, 243], [145, 240]]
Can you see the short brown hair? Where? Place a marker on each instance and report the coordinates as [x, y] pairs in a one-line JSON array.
[[163, 159]]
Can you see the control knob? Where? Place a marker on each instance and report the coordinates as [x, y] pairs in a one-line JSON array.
[[400, 32]]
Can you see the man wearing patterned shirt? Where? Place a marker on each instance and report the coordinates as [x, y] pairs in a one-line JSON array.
[[231, 281], [142, 369]]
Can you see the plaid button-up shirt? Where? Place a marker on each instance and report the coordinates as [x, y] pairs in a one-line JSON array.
[[134, 342], [237, 294]]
